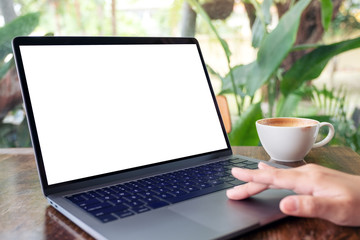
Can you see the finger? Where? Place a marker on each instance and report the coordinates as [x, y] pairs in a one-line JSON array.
[[277, 178], [263, 165], [245, 190], [309, 206]]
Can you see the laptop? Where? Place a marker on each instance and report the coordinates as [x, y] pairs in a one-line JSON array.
[[129, 141]]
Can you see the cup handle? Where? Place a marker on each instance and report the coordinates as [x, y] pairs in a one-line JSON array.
[[328, 137]]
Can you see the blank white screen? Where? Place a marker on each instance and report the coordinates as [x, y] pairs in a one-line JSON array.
[[104, 108]]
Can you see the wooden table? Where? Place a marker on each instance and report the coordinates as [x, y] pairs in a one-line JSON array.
[[25, 214]]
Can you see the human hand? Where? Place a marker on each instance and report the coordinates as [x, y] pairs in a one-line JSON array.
[[322, 192]]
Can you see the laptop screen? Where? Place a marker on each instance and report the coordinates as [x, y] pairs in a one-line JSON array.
[[105, 108]]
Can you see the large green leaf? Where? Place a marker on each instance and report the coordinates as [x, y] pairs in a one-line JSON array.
[[287, 105], [239, 73], [311, 65], [213, 72], [12, 135], [258, 33], [243, 131], [275, 47], [326, 13], [259, 28], [23, 25]]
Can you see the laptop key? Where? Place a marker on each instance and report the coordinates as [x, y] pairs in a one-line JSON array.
[[203, 185], [165, 196], [118, 201], [178, 193], [134, 197], [215, 182], [94, 194], [240, 165], [89, 202], [252, 166], [106, 218], [124, 213], [109, 210], [157, 204], [108, 197], [135, 203], [140, 209], [123, 194], [228, 167], [159, 190], [236, 182], [191, 189], [96, 207], [173, 187], [77, 198]]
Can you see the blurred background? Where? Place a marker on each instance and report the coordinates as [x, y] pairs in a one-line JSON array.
[[267, 57]]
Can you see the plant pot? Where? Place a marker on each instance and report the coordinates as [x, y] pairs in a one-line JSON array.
[[218, 9]]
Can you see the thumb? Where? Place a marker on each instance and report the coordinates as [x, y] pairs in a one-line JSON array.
[[308, 206]]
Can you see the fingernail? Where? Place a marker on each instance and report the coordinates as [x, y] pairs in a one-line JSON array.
[[290, 204]]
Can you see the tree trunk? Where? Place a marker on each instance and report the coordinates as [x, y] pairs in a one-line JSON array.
[[188, 21], [7, 10]]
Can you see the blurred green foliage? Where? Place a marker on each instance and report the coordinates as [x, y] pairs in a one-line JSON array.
[[14, 134], [243, 81]]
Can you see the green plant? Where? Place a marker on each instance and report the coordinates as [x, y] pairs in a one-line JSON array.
[[274, 46], [23, 25], [345, 21], [13, 134], [331, 106]]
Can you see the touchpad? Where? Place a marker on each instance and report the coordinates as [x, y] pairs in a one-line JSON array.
[[215, 211]]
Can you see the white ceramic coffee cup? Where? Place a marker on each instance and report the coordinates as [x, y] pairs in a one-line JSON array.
[[291, 139]]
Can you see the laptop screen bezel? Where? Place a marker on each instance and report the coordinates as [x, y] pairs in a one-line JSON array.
[[98, 179]]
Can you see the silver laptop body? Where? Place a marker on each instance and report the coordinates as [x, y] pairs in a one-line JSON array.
[[111, 112]]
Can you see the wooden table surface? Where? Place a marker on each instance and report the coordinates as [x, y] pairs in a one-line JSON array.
[[25, 214]]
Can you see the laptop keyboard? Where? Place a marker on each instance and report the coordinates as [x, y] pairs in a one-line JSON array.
[[127, 199]]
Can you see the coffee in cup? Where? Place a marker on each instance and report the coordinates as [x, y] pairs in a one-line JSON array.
[[290, 139]]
